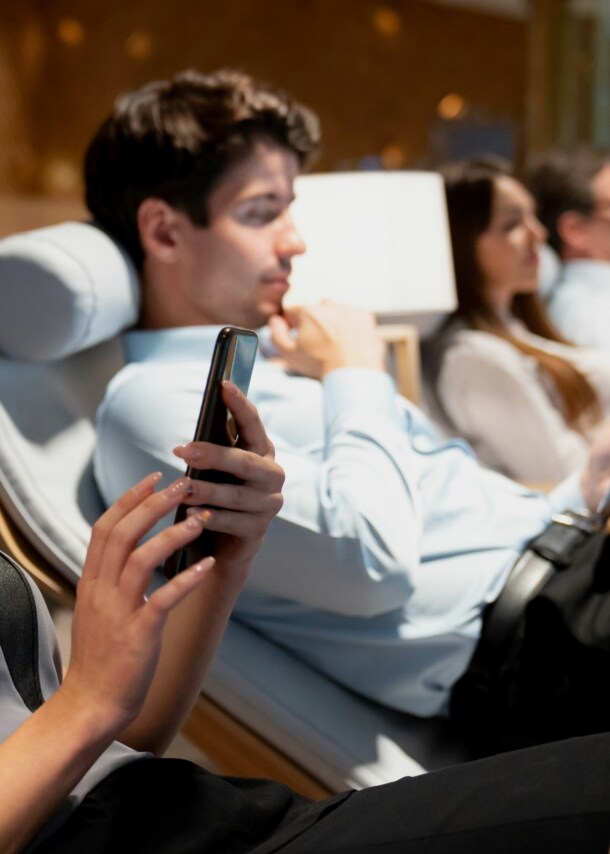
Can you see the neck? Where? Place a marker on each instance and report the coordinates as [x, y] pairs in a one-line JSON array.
[[163, 304], [500, 302]]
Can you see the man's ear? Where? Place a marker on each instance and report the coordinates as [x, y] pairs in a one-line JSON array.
[[158, 228], [573, 229]]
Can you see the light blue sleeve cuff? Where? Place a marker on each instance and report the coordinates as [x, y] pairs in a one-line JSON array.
[[568, 495], [365, 389]]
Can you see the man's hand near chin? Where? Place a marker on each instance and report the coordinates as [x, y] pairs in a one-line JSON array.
[[314, 340]]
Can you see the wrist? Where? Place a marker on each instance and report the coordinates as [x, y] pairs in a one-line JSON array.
[[365, 364], [232, 574], [90, 714]]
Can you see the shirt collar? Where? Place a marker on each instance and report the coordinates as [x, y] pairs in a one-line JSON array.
[[169, 345], [178, 344]]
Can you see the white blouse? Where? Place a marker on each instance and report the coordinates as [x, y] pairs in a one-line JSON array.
[[509, 410]]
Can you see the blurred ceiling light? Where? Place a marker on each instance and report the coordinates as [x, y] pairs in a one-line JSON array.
[[392, 156], [139, 45], [70, 32], [60, 177], [387, 21], [451, 106]]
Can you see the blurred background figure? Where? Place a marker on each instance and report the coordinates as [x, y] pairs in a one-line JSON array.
[[572, 193], [503, 377]]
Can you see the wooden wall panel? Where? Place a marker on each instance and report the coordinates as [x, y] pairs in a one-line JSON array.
[[370, 88]]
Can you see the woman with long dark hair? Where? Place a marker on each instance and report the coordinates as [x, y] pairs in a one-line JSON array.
[[504, 378]]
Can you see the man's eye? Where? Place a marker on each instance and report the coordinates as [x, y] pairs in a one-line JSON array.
[[259, 214]]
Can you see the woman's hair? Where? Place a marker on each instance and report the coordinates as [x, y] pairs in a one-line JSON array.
[[176, 139], [470, 189]]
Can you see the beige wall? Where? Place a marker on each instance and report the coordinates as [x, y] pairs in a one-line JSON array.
[[370, 88]]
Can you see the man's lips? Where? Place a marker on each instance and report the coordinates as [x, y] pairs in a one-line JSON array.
[[281, 281]]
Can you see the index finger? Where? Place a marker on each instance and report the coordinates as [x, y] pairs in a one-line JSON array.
[[117, 511], [252, 435]]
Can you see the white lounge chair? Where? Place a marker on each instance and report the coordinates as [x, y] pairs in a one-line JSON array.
[[66, 291]]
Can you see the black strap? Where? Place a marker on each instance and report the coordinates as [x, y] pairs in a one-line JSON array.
[[551, 551], [559, 541], [19, 632]]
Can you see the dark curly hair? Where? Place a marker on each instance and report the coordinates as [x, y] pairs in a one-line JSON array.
[[175, 139], [562, 181]]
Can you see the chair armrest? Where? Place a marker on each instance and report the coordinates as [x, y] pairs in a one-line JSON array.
[[404, 358]]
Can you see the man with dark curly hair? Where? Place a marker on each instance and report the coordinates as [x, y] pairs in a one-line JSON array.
[[391, 542], [572, 192]]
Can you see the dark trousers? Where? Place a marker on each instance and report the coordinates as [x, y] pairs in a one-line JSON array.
[[550, 799]]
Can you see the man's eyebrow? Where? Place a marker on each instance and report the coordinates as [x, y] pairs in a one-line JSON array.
[[269, 196]]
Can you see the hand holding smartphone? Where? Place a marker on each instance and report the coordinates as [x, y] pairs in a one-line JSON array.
[[233, 359]]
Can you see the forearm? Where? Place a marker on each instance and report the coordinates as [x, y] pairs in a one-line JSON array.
[[369, 486], [43, 760], [350, 528], [191, 637]]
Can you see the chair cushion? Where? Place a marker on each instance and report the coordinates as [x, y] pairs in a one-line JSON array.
[[71, 274], [47, 437], [339, 737]]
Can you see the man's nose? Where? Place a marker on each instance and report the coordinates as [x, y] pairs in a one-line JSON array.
[[289, 241]]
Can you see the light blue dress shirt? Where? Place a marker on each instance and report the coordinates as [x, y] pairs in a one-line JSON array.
[[579, 303], [391, 541]]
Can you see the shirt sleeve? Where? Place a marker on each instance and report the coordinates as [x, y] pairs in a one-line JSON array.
[[496, 401], [143, 416], [351, 521], [348, 535]]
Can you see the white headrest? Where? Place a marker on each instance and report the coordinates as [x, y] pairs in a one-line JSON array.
[[63, 289]]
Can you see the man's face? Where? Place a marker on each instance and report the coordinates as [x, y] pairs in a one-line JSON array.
[[598, 224], [587, 236], [237, 269]]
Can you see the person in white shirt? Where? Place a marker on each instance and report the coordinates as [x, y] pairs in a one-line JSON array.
[[572, 192], [504, 378]]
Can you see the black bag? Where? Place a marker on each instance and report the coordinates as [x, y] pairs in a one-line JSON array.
[[551, 679], [19, 632]]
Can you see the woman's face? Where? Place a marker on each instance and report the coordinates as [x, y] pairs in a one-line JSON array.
[[507, 251]]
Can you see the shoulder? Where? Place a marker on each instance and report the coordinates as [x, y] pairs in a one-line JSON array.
[[582, 278], [478, 364], [164, 369], [137, 388], [149, 404]]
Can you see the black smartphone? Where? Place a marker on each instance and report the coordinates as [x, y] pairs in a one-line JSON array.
[[233, 359]]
